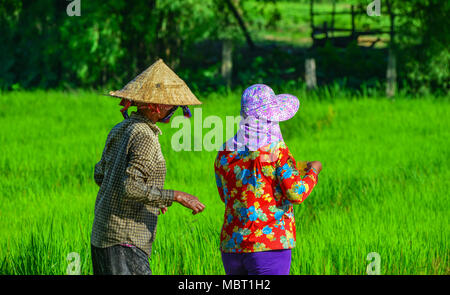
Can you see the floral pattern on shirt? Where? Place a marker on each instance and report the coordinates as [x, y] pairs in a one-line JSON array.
[[259, 189]]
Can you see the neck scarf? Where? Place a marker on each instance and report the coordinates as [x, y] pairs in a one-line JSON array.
[[253, 134], [186, 113]]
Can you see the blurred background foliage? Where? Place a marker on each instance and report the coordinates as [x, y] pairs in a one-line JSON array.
[[112, 41]]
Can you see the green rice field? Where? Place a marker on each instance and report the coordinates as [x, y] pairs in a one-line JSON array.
[[383, 188]]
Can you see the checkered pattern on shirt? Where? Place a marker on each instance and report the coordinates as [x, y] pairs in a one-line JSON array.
[[131, 176]]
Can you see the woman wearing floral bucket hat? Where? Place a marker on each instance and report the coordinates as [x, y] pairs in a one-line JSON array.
[[258, 180], [132, 171]]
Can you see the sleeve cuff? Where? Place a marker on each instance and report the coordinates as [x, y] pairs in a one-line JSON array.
[[313, 172], [167, 196], [313, 169]]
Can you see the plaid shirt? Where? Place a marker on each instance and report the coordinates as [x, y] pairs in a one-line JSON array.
[[131, 177]]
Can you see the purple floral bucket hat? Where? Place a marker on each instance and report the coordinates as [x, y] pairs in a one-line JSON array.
[[260, 101]]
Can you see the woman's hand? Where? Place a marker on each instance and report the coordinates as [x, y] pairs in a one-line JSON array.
[[163, 210], [189, 201], [314, 164]]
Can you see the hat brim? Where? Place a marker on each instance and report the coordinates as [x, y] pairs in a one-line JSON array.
[[158, 84], [167, 98], [281, 108]]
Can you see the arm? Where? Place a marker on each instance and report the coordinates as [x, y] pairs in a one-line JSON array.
[[99, 172], [295, 188], [219, 182], [219, 187], [141, 166]]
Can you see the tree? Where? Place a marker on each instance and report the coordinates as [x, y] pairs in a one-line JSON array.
[[423, 36]]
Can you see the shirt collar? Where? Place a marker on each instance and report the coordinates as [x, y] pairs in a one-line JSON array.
[[141, 118]]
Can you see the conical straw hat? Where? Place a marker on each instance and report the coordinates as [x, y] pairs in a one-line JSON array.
[[158, 84]]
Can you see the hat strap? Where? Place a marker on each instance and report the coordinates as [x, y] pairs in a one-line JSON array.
[[186, 113], [126, 104], [166, 119]]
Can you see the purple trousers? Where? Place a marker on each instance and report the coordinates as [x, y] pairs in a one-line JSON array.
[[274, 262]]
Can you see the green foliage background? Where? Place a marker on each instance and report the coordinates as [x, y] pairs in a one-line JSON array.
[[112, 41], [384, 186]]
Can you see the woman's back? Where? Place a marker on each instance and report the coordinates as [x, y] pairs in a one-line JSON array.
[[259, 188]]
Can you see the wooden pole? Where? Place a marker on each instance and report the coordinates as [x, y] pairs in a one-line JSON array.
[[310, 73], [310, 63], [227, 61], [391, 75], [391, 72]]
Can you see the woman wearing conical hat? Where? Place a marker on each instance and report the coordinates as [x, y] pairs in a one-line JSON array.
[[132, 171]]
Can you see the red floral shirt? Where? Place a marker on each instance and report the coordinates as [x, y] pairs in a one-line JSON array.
[[259, 189]]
